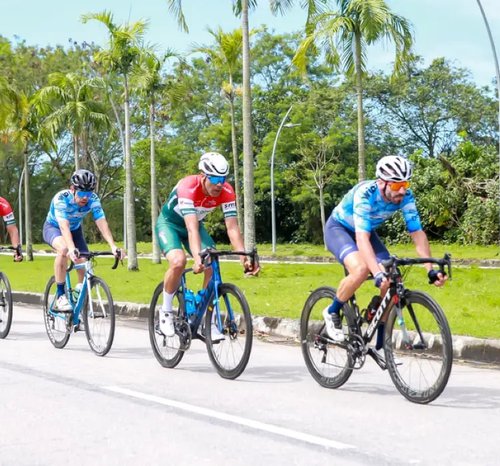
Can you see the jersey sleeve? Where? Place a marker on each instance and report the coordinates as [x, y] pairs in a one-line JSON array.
[[186, 190], [96, 207], [6, 212], [361, 209], [410, 213], [228, 203], [60, 206]]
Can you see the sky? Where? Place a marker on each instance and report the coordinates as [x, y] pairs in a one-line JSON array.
[[454, 29]]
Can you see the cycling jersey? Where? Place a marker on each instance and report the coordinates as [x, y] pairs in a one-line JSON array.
[[64, 207], [364, 209], [6, 212], [188, 198]]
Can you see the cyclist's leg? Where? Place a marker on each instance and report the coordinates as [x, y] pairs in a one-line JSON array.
[[341, 242], [52, 235], [206, 242], [81, 245]]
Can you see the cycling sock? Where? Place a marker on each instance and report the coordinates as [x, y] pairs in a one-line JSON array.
[[336, 306], [380, 337], [60, 289], [167, 301]]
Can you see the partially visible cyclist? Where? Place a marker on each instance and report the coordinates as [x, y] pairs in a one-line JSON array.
[[350, 235], [10, 224], [180, 223], [62, 229]]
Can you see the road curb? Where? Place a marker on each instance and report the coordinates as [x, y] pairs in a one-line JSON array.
[[464, 348]]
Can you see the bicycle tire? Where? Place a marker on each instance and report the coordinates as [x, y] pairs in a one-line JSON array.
[[58, 325], [230, 356], [168, 351], [99, 321], [330, 364], [6, 309], [429, 349]]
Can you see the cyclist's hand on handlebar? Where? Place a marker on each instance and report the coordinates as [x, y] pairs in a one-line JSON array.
[[18, 254], [119, 252], [380, 280], [74, 254], [436, 277], [198, 267], [250, 267]]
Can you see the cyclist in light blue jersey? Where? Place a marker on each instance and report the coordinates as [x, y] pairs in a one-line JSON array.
[[350, 234], [62, 229]]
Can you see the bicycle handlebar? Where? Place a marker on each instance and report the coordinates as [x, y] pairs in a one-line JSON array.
[[7, 248], [90, 255], [394, 261], [208, 253]]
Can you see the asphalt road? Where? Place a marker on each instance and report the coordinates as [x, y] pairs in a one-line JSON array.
[[71, 407]]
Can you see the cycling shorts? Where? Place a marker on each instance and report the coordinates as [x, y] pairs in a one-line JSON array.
[[172, 236], [341, 242], [50, 233]]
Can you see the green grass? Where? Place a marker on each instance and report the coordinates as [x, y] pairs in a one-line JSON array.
[[311, 250], [471, 300]]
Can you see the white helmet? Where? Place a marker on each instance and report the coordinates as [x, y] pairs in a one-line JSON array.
[[394, 168], [213, 163]]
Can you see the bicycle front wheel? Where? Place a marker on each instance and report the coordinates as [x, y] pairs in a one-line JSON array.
[[168, 350], [230, 350], [99, 316], [418, 348], [57, 324], [5, 305], [329, 363]]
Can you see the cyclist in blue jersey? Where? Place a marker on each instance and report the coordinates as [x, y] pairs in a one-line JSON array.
[[62, 229], [350, 234]]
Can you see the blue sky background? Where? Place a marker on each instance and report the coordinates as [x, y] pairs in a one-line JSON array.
[[450, 28]]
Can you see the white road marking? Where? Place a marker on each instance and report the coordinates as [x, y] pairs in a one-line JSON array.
[[293, 434]]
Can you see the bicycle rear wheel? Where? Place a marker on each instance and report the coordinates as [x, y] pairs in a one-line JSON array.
[[329, 363], [230, 355], [57, 324], [168, 350], [5, 305], [99, 316], [421, 340]]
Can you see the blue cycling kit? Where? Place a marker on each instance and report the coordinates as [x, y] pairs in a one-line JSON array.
[[364, 209], [64, 207]]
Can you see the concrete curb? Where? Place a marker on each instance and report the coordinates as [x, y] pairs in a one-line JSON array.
[[464, 348]]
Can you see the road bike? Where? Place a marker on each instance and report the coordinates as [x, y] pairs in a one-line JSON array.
[[92, 308], [5, 300], [220, 304], [417, 341]]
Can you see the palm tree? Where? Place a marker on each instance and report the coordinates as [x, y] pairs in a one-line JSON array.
[[150, 84], [227, 56], [344, 36], [241, 8], [123, 53], [68, 102], [18, 126]]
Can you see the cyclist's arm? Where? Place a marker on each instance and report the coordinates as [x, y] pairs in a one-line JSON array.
[[193, 229], [13, 234], [236, 240], [103, 226], [424, 250]]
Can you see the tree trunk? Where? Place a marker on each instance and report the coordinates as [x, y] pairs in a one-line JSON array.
[[27, 209], [361, 124], [154, 188], [236, 161], [248, 181], [322, 209], [75, 152], [129, 188]]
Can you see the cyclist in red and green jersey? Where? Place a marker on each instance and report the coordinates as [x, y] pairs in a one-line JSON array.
[[10, 222], [180, 223]]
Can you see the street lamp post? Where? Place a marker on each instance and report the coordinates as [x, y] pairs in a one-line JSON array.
[[497, 69], [273, 212]]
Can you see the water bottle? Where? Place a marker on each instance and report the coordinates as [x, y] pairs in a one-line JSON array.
[[199, 297], [189, 300], [76, 291]]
